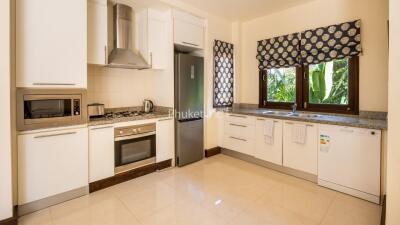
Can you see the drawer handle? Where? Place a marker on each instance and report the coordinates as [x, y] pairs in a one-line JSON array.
[[188, 43], [244, 117], [237, 125], [100, 128], [54, 135], [66, 84], [239, 139], [308, 125]]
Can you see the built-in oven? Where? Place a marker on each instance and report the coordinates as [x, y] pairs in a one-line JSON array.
[[45, 108], [134, 146]]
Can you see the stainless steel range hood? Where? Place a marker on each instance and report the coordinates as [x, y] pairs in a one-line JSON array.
[[123, 55]]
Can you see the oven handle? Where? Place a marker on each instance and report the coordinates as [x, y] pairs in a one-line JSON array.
[[134, 136]]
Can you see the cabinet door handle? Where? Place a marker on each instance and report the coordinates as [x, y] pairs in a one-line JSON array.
[[239, 139], [244, 117], [164, 119], [308, 125], [100, 128], [66, 84], [188, 43], [54, 135], [105, 55], [237, 125], [275, 121]]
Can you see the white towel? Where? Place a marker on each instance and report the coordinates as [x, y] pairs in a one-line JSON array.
[[299, 133], [269, 132]]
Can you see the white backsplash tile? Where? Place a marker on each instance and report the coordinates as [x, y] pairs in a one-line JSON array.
[[120, 87]]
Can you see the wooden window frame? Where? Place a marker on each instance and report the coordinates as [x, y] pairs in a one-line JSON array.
[[302, 92]]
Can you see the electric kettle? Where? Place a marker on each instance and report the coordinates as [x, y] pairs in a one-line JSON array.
[[148, 106]]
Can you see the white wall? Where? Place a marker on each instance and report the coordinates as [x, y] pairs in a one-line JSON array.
[[5, 117], [393, 154], [123, 87], [373, 62]]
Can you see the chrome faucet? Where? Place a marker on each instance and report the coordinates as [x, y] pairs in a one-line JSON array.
[[294, 107]]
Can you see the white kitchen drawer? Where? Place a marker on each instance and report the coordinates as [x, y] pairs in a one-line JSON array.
[[243, 119], [242, 145], [239, 130]]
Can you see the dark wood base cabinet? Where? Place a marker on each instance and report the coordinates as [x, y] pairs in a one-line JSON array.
[[212, 151], [129, 175]]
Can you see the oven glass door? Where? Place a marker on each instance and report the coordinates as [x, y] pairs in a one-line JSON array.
[[134, 150]]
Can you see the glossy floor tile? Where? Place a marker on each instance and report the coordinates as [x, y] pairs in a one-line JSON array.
[[220, 190]]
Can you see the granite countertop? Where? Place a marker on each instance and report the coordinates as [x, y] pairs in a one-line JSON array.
[[370, 120], [158, 113]]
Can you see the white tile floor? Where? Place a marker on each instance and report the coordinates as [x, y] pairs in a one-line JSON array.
[[218, 190]]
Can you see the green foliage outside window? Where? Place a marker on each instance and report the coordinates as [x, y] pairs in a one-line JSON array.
[[328, 83], [281, 85]]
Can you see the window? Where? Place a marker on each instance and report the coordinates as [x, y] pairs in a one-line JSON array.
[[281, 85], [325, 87]]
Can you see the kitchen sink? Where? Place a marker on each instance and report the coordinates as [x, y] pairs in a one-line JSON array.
[[275, 113], [304, 115]]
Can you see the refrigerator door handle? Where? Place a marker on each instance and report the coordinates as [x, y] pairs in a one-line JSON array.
[[191, 119]]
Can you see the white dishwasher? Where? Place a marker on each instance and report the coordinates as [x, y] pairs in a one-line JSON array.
[[349, 161]]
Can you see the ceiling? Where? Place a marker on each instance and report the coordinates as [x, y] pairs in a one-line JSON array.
[[242, 10]]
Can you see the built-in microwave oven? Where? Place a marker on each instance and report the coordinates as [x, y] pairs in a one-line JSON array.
[[46, 108]]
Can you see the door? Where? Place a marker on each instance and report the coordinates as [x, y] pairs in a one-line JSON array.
[[189, 81], [101, 152], [188, 34], [165, 141], [189, 141], [51, 39], [297, 156], [51, 163], [97, 32], [270, 152]]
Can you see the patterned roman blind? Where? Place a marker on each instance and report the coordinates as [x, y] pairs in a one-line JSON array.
[[311, 46], [332, 42], [279, 52], [223, 74]]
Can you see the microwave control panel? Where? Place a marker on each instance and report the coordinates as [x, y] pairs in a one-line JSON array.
[[77, 107]]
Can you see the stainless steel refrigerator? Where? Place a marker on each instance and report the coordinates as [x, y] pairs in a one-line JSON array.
[[189, 100]]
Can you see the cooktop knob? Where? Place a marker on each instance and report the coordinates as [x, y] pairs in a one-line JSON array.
[[134, 130]]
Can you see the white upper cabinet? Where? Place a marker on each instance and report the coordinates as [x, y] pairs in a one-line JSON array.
[[51, 43], [269, 150], [165, 139], [97, 32], [101, 152], [154, 37], [300, 156], [188, 30]]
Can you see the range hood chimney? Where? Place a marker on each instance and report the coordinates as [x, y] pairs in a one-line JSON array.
[[122, 55]]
